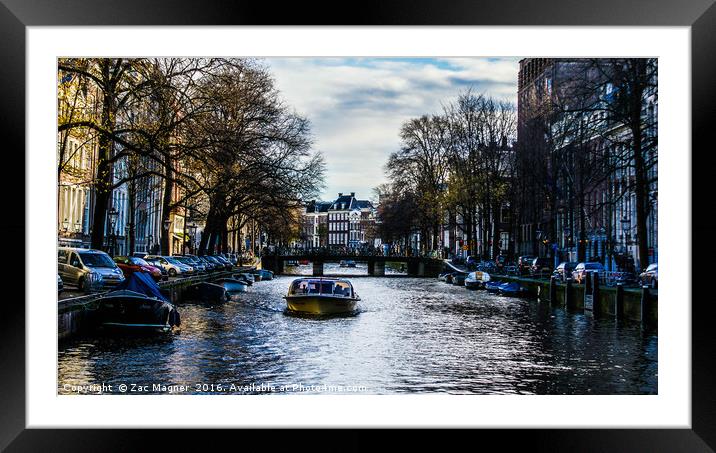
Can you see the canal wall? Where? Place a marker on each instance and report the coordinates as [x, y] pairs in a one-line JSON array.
[[76, 315], [635, 304]]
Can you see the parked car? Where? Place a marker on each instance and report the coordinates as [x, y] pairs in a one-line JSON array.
[[211, 266], [541, 266], [524, 263], [218, 265], [564, 270], [198, 264], [139, 254], [227, 264], [650, 276], [582, 269], [173, 266], [221, 262], [132, 264], [625, 277], [60, 285], [155, 262], [75, 264], [188, 262]]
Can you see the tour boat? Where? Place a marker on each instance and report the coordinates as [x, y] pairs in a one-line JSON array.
[[476, 280], [138, 305], [321, 296], [232, 285]]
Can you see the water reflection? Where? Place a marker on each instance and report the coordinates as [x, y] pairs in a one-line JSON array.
[[410, 335]]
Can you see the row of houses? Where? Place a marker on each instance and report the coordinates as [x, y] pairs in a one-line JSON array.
[[344, 222], [573, 175], [139, 215], [577, 175]]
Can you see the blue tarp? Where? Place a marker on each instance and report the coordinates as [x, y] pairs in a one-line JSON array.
[[142, 283]]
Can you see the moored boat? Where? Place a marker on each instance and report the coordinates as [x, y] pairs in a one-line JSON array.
[[321, 296], [232, 285], [492, 286], [206, 293], [510, 289], [476, 280], [133, 311], [248, 279], [459, 279], [137, 305], [247, 276]]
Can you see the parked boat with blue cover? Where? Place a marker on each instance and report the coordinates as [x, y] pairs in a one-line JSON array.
[[137, 305], [492, 286], [510, 289]]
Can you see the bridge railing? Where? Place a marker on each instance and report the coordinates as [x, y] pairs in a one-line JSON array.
[[322, 252]]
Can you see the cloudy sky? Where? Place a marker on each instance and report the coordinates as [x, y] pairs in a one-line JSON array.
[[357, 105]]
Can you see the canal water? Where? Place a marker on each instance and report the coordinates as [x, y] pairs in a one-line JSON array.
[[409, 335]]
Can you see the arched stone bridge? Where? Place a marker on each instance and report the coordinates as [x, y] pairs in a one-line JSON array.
[[416, 266]]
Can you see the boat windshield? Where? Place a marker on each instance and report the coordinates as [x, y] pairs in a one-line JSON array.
[[321, 287], [342, 289]]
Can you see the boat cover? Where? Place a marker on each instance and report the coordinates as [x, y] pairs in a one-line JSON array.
[[510, 288], [142, 283]]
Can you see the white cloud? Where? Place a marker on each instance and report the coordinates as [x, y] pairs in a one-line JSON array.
[[357, 106]]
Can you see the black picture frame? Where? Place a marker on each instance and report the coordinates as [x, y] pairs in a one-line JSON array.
[[16, 15]]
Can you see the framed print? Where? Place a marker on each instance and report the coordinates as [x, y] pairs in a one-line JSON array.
[[407, 217]]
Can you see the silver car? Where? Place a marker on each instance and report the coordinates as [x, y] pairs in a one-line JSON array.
[[173, 266], [75, 264]]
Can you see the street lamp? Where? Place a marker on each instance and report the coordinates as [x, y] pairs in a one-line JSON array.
[[113, 214], [167, 224], [625, 221], [192, 233], [65, 225]]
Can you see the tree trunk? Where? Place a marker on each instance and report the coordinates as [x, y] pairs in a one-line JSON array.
[[104, 173], [131, 202], [166, 206]]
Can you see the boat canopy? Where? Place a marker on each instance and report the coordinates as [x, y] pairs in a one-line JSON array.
[[322, 287], [142, 283]]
